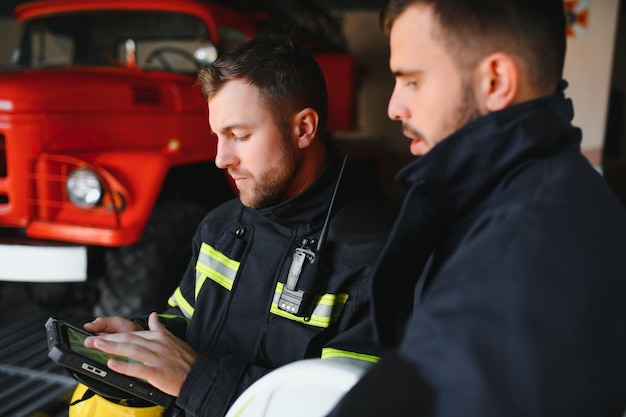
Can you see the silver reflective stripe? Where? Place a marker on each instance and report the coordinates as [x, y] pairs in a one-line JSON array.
[[215, 266], [355, 362], [326, 312], [358, 359], [177, 300]]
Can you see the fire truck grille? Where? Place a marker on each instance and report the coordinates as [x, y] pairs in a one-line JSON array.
[[50, 202], [3, 157]]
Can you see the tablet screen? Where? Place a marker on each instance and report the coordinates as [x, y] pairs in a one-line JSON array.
[[76, 340]]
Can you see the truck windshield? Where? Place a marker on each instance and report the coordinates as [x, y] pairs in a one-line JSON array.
[[147, 39]]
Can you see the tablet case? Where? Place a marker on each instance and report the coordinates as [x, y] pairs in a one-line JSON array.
[[98, 375]]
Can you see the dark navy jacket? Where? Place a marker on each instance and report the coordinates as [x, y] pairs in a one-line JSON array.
[[229, 294], [513, 250]]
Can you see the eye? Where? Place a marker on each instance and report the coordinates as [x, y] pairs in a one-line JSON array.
[[240, 138]]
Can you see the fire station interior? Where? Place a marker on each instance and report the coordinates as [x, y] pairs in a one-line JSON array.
[[30, 384]]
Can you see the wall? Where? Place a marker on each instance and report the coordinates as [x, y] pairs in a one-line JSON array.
[[588, 69], [370, 47], [376, 135]]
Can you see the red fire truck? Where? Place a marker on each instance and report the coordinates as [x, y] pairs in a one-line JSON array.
[[106, 161]]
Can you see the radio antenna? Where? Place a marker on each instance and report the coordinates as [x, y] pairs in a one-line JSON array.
[[324, 232]]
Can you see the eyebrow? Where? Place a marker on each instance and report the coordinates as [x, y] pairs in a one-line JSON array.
[[229, 128], [405, 73]]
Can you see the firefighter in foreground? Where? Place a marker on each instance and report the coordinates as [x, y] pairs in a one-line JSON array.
[[267, 284], [501, 289]]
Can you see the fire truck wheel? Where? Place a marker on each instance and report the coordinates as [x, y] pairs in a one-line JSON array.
[[59, 295], [139, 278]]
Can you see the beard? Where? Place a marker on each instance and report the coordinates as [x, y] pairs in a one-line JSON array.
[[270, 187], [466, 112]]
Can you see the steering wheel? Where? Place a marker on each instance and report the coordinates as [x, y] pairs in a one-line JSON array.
[[159, 55]]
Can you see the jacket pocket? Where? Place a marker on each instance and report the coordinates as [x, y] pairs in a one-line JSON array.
[[327, 309]]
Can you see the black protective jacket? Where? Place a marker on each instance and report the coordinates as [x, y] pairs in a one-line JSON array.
[[226, 307], [512, 250]]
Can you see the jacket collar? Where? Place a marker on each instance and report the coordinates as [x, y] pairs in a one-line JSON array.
[[311, 205], [489, 148]]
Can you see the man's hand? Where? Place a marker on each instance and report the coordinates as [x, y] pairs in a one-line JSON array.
[[111, 325], [161, 358]]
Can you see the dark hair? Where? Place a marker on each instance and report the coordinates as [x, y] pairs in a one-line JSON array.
[[286, 74], [531, 30]]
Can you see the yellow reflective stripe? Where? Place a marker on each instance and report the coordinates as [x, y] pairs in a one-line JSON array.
[[326, 311], [177, 300], [200, 278], [337, 353], [216, 266], [219, 257], [173, 316], [210, 264]]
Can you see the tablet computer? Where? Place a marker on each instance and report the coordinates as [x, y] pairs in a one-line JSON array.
[[66, 347]]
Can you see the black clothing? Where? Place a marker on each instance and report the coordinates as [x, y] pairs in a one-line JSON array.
[[226, 305], [511, 248]]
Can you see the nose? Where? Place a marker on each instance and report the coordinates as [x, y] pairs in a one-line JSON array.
[[396, 110], [225, 157]]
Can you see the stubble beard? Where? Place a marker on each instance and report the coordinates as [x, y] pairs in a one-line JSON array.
[[271, 187], [466, 112]]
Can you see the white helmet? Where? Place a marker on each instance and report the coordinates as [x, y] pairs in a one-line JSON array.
[[305, 388]]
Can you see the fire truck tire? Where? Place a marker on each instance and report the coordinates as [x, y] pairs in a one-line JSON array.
[[139, 278], [59, 295]]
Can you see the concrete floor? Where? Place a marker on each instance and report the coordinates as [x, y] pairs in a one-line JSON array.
[[31, 384]]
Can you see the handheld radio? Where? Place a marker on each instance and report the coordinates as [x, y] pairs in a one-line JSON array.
[[306, 273]]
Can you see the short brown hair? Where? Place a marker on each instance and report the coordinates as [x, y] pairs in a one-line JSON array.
[[286, 74], [531, 30]]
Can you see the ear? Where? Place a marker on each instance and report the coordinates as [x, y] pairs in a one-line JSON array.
[[305, 126], [496, 81]]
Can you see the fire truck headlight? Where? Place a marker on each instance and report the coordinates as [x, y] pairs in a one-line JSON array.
[[206, 53], [84, 188]]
